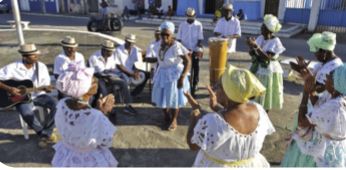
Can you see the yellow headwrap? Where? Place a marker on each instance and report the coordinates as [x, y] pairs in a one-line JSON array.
[[240, 84], [325, 41], [272, 23]]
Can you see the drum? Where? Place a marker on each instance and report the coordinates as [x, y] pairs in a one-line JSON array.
[[217, 58], [138, 81]]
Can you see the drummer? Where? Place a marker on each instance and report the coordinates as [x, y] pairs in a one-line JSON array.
[[104, 64], [228, 27], [125, 56]]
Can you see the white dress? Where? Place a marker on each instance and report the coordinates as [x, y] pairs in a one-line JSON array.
[[86, 138], [220, 142]]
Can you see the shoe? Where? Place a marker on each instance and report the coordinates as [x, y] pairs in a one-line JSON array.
[[130, 110]]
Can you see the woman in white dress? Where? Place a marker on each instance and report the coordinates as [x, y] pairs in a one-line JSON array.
[[265, 50], [234, 136], [86, 132], [170, 80], [328, 147]]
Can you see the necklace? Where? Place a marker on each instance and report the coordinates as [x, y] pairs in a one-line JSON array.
[[162, 52]]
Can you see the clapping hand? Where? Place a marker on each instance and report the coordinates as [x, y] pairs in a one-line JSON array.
[[212, 98], [251, 42], [105, 104]]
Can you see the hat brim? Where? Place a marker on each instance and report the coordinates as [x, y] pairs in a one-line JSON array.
[[29, 52], [69, 45], [108, 48], [131, 41]]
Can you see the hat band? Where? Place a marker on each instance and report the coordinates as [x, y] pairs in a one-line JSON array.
[[65, 43], [108, 48], [28, 51]]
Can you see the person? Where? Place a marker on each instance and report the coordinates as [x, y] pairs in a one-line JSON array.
[[265, 51], [228, 27], [328, 146], [241, 15], [322, 45], [30, 68], [170, 12], [104, 64], [222, 138], [69, 56], [159, 11], [217, 15], [190, 34], [126, 14], [170, 79], [150, 52], [86, 133], [104, 8]]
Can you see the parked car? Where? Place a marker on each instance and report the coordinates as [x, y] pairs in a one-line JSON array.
[[4, 8]]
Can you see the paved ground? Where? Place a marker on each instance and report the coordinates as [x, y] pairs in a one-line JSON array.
[[139, 141]]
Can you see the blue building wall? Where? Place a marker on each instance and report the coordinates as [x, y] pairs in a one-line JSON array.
[[51, 6], [35, 6], [182, 5], [297, 15], [251, 8]]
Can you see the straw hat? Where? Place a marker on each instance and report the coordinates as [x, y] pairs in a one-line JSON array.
[[130, 38], [28, 49], [228, 6], [69, 41], [108, 45], [190, 12]]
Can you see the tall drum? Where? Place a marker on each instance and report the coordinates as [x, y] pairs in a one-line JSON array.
[[218, 58]]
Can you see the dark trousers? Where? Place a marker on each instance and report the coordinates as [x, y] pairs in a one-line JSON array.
[[194, 78], [44, 128]]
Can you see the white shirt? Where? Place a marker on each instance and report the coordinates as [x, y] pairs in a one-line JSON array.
[[151, 53], [98, 62], [122, 57], [62, 61], [18, 71], [189, 34], [227, 28]]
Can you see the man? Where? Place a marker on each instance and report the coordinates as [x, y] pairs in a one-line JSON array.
[[150, 53], [104, 63], [104, 7], [228, 27], [29, 68], [190, 34], [68, 58], [126, 55]]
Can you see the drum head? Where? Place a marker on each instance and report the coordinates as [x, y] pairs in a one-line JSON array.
[[138, 81]]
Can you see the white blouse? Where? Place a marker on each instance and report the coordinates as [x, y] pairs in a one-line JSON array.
[[86, 136], [218, 139]]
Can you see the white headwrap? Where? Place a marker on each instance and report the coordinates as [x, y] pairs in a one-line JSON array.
[[75, 82], [168, 25], [272, 23]]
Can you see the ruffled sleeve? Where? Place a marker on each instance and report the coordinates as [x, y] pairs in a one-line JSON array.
[[265, 123], [275, 46], [330, 118], [104, 131], [206, 133]]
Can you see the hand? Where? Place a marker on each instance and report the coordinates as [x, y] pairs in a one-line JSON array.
[[14, 91], [194, 104], [212, 98], [301, 62], [180, 82], [309, 84], [136, 75], [105, 104], [251, 42], [48, 89]]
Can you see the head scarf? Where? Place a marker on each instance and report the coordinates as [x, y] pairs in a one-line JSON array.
[[272, 23], [325, 41], [339, 79], [326, 69], [168, 25], [75, 82], [240, 84]]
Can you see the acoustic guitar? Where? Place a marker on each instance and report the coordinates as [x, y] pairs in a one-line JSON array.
[[26, 87]]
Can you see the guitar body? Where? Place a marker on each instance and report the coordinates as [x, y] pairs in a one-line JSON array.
[[7, 100]]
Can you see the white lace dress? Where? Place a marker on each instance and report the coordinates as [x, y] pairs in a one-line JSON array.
[[86, 137], [223, 146]]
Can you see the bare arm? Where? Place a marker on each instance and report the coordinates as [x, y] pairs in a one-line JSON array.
[[195, 116], [123, 69]]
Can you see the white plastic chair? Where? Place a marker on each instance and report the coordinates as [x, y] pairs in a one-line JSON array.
[[41, 112]]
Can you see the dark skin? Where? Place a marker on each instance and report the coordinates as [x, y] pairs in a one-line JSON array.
[[243, 117], [171, 114], [228, 15], [122, 68], [70, 52], [29, 61], [256, 49]]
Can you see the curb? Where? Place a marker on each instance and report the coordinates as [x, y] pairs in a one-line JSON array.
[[55, 15]]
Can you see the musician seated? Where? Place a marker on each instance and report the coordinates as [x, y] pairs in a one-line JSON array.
[[126, 55], [29, 68], [104, 64]]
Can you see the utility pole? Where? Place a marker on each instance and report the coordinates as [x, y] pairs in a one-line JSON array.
[[16, 16]]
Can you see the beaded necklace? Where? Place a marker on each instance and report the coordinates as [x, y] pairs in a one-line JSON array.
[[162, 52]]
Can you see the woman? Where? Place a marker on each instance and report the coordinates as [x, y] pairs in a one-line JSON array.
[[224, 139], [322, 45], [329, 144], [170, 80], [86, 132], [265, 51]]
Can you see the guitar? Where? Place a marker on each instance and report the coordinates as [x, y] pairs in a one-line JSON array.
[[26, 87]]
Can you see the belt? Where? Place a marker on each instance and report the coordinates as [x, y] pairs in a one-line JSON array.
[[226, 163], [331, 138]]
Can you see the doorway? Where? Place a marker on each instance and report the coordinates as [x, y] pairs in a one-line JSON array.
[[93, 6], [272, 7], [211, 5]]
